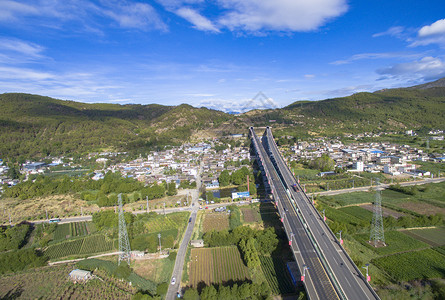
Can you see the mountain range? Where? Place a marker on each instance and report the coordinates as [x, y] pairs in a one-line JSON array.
[[37, 126]]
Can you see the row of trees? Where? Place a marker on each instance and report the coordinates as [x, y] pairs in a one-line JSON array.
[[103, 191], [243, 291], [265, 241]]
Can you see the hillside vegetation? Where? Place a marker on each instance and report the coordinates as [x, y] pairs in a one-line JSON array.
[[36, 126]]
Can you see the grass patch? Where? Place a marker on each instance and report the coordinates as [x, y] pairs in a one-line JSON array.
[[396, 242]]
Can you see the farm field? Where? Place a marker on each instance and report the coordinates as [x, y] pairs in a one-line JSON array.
[[413, 265], [250, 215], [277, 275], [156, 270], [162, 223], [216, 265], [386, 212], [88, 245], [68, 230], [432, 236], [422, 208], [358, 212], [29, 285], [396, 242], [215, 221]]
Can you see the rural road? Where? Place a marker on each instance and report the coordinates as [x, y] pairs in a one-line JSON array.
[[174, 289], [381, 186]]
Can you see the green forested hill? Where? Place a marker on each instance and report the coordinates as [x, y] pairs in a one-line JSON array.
[[35, 126], [389, 110]]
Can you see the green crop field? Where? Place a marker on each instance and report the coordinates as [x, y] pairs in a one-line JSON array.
[[413, 265], [358, 212], [216, 266], [431, 236], [340, 216], [277, 275], [396, 242], [62, 232], [88, 245]]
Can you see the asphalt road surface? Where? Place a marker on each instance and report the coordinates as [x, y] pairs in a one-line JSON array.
[[345, 273]]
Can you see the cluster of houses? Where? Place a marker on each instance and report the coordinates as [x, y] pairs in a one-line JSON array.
[[372, 157]]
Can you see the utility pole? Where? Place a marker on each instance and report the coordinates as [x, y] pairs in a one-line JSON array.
[[147, 205], [368, 278], [10, 219], [164, 208], [46, 210], [159, 237], [341, 241], [304, 272], [324, 217]]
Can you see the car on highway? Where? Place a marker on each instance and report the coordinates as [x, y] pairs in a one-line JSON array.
[[173, 281]]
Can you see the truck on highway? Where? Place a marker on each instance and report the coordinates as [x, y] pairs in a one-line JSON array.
[[295, 187]]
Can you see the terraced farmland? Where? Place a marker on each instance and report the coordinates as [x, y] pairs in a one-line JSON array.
[[88, 245], [216, 266], [68, 230]]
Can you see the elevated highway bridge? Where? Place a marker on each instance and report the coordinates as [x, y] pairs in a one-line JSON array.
[[329, 271]]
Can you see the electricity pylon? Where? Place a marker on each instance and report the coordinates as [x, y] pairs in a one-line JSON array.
[[377, 237], [124, 243]]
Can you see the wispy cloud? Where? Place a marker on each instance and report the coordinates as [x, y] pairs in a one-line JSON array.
[[28, 49], [56, 13], [427, 68], [396, 31], [200, 22], [382, 55]]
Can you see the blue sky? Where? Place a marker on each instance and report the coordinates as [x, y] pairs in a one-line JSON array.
[[218, 53]]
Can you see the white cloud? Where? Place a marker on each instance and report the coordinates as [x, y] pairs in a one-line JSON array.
[[437, 28], [279, 15], [199, 22], [431, 34], [427, 68]]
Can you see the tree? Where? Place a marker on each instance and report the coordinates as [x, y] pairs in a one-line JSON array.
[[224, 178], [323, 163], [13, 172], [191, 294]]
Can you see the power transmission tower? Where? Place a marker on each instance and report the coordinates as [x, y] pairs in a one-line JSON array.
[[124, 243], [377, 238]]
